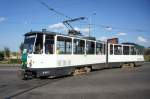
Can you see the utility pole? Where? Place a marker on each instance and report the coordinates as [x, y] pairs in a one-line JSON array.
[[90, 26], [90, 23]]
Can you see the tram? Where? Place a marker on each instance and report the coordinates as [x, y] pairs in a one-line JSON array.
[[51, 54]]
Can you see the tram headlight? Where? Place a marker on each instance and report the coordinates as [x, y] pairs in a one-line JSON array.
[[30, 63]]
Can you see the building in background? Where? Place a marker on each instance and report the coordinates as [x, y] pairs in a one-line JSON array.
[[113, 40]]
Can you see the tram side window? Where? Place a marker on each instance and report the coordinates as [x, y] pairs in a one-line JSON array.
[[140, 51], [104, 48], [133, 50], [117, 49], [125, 50], [79, 46], [99, 48], [64, 45], [68, 45], [49, 44], [111, 49], [90, 47], [39, 44]]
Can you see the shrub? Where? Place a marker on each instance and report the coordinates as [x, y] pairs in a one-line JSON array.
[[1, 55], [147, 58], [15, 61]]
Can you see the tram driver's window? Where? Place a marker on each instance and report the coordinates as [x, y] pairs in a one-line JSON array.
[[49, 44], [39, 44]]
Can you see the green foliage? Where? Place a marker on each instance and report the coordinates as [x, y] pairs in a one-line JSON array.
[[14, 53], [147, 58], [7, 52], [21, 47], [147, 51], [15, 61], [147, 54], [1, 55]]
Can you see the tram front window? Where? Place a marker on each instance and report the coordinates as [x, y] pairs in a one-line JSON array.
[[28, 43]]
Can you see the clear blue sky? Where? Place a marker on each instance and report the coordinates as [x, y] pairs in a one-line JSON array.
[[128, 19]]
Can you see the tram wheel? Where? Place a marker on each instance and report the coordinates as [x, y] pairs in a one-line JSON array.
[[27, 75]]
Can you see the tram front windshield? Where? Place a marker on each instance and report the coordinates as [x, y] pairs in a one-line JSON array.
[[28, 43]]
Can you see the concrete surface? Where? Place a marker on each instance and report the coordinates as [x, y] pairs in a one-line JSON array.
[[10, 65], [119, 83]]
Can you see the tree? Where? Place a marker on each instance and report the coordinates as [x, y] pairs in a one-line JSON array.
[[7, 52], [21, 47], [1, 55], [147, 51]]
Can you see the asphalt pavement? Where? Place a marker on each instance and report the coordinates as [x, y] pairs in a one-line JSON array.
[[118, 83]]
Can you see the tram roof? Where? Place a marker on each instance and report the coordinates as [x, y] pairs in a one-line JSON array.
[[56, 33], [42, 32], [134, 44]]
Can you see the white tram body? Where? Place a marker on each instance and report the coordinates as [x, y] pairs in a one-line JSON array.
[[54, 54], [124, 56]]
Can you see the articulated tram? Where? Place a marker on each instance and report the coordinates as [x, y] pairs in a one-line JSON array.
[[50, 54]]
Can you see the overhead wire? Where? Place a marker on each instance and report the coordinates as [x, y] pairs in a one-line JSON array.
[[83, 23], [53, 10], [113, 28]]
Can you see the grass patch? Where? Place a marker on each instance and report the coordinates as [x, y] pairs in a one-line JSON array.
[[11, 61], [147, 58]]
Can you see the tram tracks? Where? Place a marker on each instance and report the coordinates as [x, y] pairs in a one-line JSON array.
[[38, 83], [24, 87], [42, 82]]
